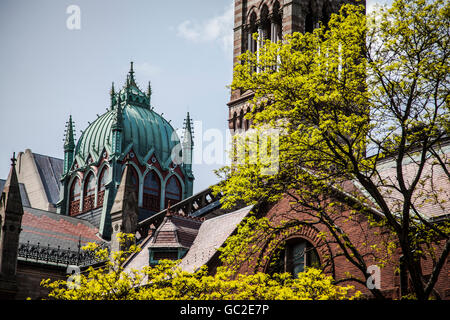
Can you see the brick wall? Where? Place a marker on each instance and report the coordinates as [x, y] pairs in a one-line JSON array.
[[363, 236]]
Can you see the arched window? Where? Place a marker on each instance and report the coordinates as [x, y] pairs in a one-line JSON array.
[[173, 191], [309, 19], [102, 186], [276, 29], [103, 178], [251, 29], [247, 121], [74, 197], [234, 121], [241, 119], [152, 192], [295, 257], [134, 179], [325, 14], [89, 192], [265, 23]]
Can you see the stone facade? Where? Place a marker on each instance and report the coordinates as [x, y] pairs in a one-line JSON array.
[[271, 19]]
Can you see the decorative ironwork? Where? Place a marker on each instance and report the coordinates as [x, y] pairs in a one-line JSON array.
[[100, 198], [88, 203], [58, 256], [197, 206], [74, 208]]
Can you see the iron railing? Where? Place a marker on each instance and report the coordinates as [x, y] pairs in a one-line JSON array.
[[49, 255]]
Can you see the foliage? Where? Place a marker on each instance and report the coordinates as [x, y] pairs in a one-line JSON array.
[[166, 281], [349, 100]]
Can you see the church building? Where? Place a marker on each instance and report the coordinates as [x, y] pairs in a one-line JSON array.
[[130, 172]]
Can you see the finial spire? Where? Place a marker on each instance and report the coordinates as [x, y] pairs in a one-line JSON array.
[[131, 68], [117, 125], [188, 129], [149, 94], [112, 93], [131, 74], [13, 160], [188, 140], [69, 143]]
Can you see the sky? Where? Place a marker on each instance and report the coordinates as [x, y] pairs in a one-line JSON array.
[[49, 71], [53, 65]]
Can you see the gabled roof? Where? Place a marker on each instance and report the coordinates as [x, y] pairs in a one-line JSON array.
[[50, 170], [212, 235]]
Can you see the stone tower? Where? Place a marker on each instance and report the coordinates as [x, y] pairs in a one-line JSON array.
[[125, 211], [271, 19]]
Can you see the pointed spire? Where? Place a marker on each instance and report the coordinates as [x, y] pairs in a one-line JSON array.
[[69, 143], [188, 143], [117, 124], [112, 94], [149, 94], [188, 131], [131, 74], [11, 201]]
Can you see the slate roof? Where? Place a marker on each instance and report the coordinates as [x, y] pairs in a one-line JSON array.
[[176, 231], [51, 229], [23, 193], [211, 236], [50, 170], [431, 194]]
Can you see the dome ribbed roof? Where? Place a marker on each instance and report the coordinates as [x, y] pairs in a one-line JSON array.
[[143, 129]]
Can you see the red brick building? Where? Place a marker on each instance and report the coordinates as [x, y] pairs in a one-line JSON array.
[[38, 243]]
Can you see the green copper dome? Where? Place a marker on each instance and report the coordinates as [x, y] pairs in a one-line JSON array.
[[142, 130]]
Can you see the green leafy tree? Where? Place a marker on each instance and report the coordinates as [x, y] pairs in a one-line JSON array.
[[166, 281], [346, 99]]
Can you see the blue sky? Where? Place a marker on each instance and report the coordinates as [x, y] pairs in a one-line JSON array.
[[48, 71]]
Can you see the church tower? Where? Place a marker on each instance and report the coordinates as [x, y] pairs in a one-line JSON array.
[[271, 19], [129, 134]]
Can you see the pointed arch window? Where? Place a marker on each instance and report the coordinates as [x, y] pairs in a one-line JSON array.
[[265, 27], [276, 23], [89, 192], [234, 121], [241, 119], [103, 178], [309, 19], [247, 121], [74, 197], [173, 191], [102, 185], [152, 192], [134, 179]]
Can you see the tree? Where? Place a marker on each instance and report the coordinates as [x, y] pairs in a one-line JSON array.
[[346, 99], [166, 281]]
